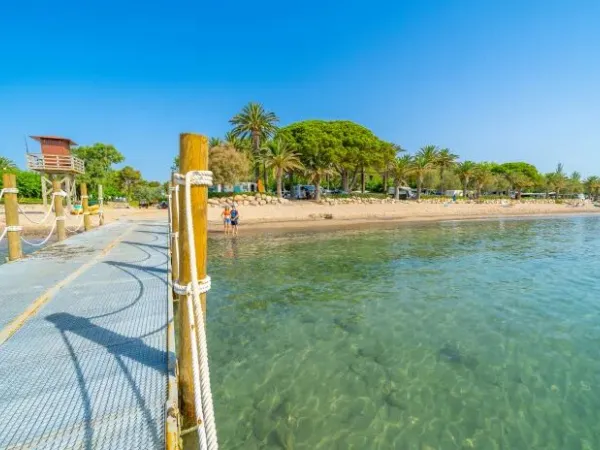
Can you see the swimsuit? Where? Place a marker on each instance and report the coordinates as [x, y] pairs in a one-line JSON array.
[[226, 217]]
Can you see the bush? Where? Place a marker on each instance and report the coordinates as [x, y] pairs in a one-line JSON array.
[[225, 194], [26, 201]]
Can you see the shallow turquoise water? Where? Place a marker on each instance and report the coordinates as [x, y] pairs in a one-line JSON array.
[[445, 336]]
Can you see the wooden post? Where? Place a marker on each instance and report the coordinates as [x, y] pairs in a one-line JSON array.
[[100, 205], [44, 191], [11, 210], [59, 211], [175, 229], [87, 224], [193, 155]]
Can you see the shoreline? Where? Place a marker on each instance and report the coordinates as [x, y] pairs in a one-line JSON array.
[[306, 216], [310, 224]]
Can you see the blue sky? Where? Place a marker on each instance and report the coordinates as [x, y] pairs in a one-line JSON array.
[[492, 80]]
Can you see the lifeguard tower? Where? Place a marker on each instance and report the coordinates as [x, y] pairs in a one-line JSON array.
[[56, 161]]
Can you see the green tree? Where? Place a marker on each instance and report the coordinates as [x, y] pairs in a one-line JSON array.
[[214, 142], [6, 163], [281, 159], [424, 162], [128, 179], [575, 183], [227, 165], [400, 169], [482, 175], [243, 145], [316, 147], [388, 160], [519, 181], [446, 161], [175, 164], [99, 160], [512, 171], [558, 180], [592, 186], [465, 171], [257, 124]]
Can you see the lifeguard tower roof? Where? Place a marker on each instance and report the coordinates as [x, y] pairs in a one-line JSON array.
[[54, 138]]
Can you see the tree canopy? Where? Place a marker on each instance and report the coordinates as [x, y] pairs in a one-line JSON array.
[[99, 160], [227, 164], [346, 146]]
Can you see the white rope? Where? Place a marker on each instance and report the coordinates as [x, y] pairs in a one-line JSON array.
[[8, 191], [39, 244], [200, 331], [175, 234], [196, 375], [3, 233], [186, 289], [38, 222], [195, 177], [74, 230], [60, 193]]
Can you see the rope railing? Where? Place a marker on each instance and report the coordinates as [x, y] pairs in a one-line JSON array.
[[12, 231], [46, 239], [203, 402], [50, 209]]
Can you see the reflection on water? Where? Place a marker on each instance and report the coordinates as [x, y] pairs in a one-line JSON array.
[[446, 336]]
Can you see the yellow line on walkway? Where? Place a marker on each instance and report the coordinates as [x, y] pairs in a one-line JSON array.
[[18, 322]]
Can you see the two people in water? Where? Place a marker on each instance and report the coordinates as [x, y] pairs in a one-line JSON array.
[[231, 218]]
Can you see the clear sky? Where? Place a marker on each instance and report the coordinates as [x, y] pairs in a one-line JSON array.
[[492, 80]]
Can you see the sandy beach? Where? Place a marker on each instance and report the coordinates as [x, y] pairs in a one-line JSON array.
[[309, 215]]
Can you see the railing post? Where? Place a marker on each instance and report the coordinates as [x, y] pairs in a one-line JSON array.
[[87, 224], [59, 211], [193, 155], [175, 230], [100, 205], [11, 210]]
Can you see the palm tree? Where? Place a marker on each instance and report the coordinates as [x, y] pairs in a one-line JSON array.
[[215, 142], [592, 185], [575, 183], [446, 161], [519, 181], [254, 123], [400, 169], [482, 175], [422, 163], [465, 171], [280, 157], [389, 160], [6, 163], [558, 180]]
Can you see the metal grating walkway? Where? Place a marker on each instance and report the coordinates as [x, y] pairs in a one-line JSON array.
[[89, 370]]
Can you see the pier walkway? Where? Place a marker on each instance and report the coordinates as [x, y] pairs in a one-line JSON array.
[[84, 347]]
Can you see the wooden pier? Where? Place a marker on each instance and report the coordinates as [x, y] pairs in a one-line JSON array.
[[85, 354]]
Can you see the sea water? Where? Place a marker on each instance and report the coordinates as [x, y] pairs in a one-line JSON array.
[[455, 335]]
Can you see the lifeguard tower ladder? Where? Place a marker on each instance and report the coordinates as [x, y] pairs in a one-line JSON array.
[[56, 161]]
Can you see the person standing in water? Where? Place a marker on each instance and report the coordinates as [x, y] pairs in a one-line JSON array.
[[226, 219], [235, 217]]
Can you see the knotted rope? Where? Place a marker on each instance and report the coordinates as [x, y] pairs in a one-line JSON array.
[[203, 402]]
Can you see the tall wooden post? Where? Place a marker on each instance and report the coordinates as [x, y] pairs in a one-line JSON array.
[[87, 223], [11, 210], [193, 155], [100, 205], [59, 211], [175, 229]]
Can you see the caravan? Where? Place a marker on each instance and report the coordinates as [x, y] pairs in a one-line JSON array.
[[406, 192]]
